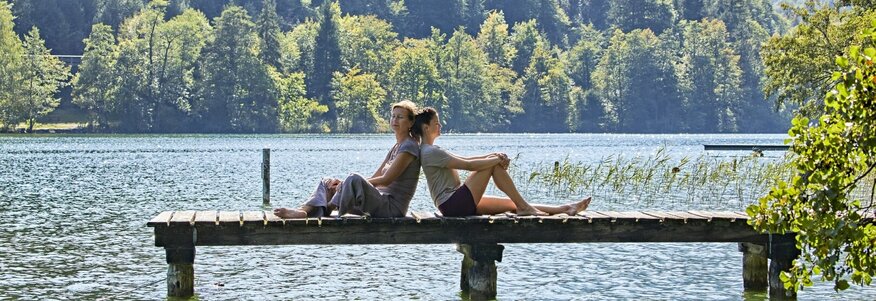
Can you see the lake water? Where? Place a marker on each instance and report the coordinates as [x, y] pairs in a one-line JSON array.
[[73, 210]]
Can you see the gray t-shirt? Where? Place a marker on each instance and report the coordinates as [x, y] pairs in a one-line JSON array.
[[402, 189], [443, 181]]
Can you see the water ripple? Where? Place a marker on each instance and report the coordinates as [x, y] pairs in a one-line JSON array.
[[74, 209]]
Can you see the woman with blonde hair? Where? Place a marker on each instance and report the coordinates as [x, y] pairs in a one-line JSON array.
[[387, 193]]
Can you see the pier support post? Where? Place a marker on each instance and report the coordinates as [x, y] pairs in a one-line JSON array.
[[266, 176], [478, 275], [754, 267], [180, 272], [782, 257]]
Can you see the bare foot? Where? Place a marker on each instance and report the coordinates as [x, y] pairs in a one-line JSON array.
[[574, 208], [530, 211], [290, 213]]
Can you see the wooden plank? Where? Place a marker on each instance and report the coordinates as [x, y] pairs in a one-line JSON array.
[[750, 147], [407, 219], [207, 217], [272, 220], [555, 218], [629, 216], [230, 218], [427, 217], [614, 216], [334, 220], [254, 217], [716, 215], [183, 217], [162, 219], [705, 216], [498, 232], [721, 215], [738, 215], [353, 219], [662, 216], [593, 214]]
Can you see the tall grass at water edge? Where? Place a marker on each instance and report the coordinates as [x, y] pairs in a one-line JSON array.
[[658, 181]]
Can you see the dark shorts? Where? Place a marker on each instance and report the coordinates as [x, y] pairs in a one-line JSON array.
[[460, 203]]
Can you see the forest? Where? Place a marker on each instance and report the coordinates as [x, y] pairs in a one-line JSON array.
[[265, 66]]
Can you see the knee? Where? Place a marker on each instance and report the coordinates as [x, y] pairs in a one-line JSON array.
[[355, 178]]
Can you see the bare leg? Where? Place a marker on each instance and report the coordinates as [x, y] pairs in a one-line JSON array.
[[490, 204], [477, 183]]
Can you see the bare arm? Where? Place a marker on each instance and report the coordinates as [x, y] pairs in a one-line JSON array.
[[379, 170], [481, 156], [398, 166], [473, 164]]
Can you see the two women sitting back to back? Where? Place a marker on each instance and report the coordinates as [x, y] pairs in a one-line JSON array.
[[388, 192]]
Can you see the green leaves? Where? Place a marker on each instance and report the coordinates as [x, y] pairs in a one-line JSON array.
[[832, 158]]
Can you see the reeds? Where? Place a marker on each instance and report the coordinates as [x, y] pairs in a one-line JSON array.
[[658, 181]]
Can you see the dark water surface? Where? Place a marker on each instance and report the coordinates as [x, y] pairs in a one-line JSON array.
[[73, 210]]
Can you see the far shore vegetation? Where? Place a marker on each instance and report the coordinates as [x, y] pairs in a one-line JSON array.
[[267, 66]]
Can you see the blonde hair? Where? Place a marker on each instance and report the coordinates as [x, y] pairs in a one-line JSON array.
[[407, 105]]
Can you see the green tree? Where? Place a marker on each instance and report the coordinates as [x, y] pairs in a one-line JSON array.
[[360, 102], [237, 92], [495, 41], [640, 14], [798, 65], [445, 15], [748, 39], [546, 100], [296, 111], [157, 62], [11, 62], [636, 80], [415, 75], [473, 15], [735, 13], [327, 60], [834, 156], [525, 39], [366, 42], [595, 12], [44, 75], [580, 62], [298, 46], [93, 85], [268, 25], [691, 9], [114, 12], [710, 77], [62, 23]]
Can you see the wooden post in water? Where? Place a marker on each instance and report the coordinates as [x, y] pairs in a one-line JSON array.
[[478, 275], [782, 257], [754, 267], [266, 176], [180, 264]]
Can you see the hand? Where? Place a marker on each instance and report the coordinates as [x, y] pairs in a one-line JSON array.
[[504, 161], [333, 185]]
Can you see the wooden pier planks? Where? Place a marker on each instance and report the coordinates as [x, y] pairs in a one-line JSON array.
[[238, 218], [265, 228]]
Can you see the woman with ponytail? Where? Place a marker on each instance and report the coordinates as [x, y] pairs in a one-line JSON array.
[[454, 198]]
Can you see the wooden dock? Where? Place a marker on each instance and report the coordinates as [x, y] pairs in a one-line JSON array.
[[477, 237], [748, 147]]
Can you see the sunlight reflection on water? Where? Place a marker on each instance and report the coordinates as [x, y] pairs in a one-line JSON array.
[[74, 209]]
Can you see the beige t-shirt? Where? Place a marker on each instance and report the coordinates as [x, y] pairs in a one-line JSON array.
[[443, 181]]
